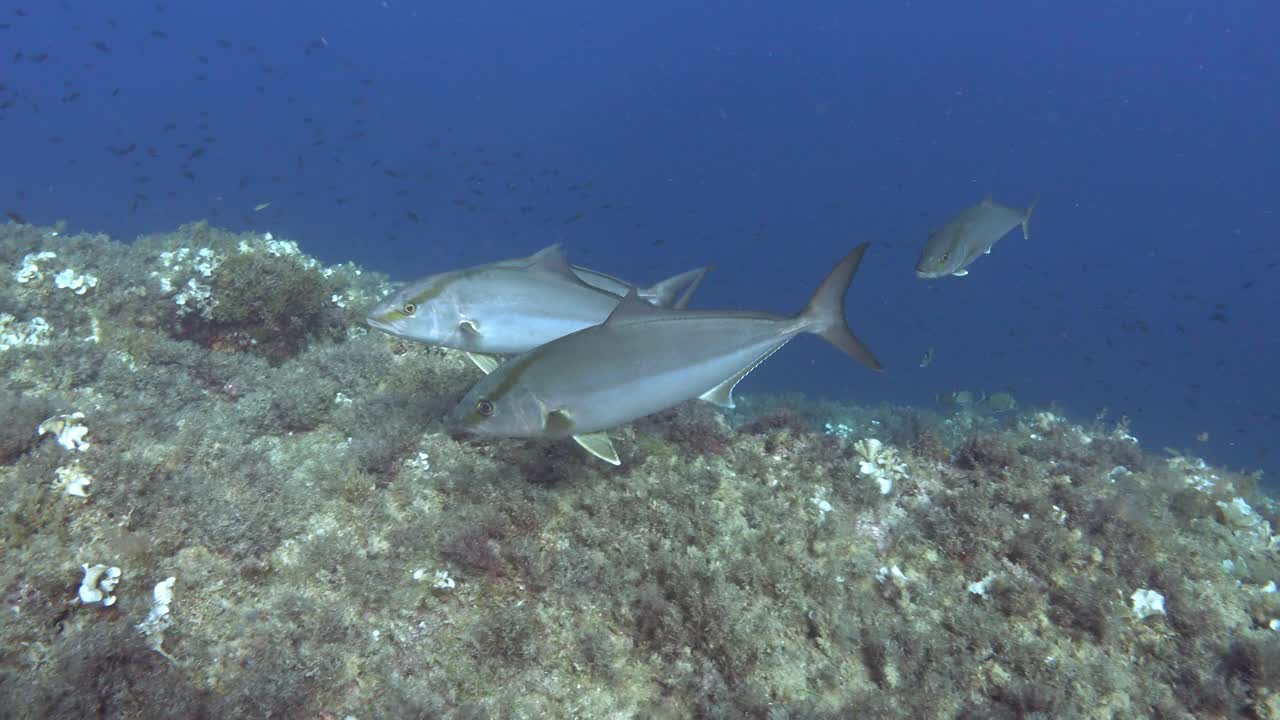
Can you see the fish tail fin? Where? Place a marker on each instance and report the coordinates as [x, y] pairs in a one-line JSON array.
[[1026, 218], [825, 311], [665, 291]]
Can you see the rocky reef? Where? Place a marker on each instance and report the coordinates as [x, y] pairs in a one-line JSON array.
[[222, 496]]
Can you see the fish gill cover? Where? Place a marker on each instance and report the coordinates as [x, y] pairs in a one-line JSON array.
[[223, 495]]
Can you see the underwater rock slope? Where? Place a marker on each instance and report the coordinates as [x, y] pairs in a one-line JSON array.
[[221, 496]]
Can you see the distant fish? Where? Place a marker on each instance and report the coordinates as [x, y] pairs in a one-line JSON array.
[[508, 307], [968, 236], [642, 360], [261, 206]]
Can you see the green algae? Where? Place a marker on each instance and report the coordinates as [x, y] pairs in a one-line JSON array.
[[303, 493]]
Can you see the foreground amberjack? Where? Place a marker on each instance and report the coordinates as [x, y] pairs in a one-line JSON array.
[[644, 359]]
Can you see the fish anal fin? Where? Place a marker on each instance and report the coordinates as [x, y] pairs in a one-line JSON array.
[[599, 444], [722, 394], [486, 363]]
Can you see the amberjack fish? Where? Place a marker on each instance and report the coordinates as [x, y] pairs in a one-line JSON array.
[[644, 359], [969, 236], [512, 306]]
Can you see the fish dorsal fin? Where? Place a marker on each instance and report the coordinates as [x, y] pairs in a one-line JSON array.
[[469, 327], [664, 292], [599, 444], [988, 201], [551, 259], [722, 394], [631, 307], [487, 363]]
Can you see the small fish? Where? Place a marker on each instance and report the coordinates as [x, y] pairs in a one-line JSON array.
[[14, 216], [957, 400], [261, 206], [969, 236], [643, 360], [507, 307], [1000, 402], [927, 360]]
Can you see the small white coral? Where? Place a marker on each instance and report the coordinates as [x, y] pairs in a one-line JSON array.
[[73, 480], [98, 583], [158, 620], [879, 462], [890, 573], [30, 269], [16, 334], [78, 284], [979, 588], [1147, 603], [194, 297], [1238, 513], [440, 579], [819, 500], [68, 429], [839, 430]]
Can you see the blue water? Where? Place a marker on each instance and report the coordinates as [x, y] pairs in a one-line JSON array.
[[764, 138]]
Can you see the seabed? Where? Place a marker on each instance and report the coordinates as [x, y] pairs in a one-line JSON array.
[[208, 407]]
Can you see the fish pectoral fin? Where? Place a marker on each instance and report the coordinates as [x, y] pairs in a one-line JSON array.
[[486, 363], [960, 273], [558, 423], [469, 327], [599, 444]]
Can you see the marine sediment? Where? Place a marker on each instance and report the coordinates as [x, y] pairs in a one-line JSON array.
[[222, 496]]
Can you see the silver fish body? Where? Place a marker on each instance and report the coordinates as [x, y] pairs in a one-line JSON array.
[[968, 236], [504, 308], [643, 360]]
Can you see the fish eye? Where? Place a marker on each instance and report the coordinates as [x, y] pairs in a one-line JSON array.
[[410, 308], [946, 257], [484, 407]]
